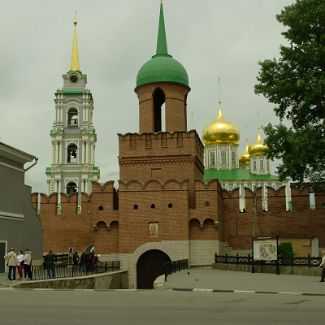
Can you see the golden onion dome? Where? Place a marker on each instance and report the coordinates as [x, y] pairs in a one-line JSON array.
[[259, 148], [220, 131], [245, 158]]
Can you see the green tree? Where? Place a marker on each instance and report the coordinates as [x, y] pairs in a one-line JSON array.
[[295, 83]]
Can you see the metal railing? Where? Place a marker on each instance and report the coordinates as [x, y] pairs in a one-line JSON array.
[[172, 267], [307, 261], [62, 270]]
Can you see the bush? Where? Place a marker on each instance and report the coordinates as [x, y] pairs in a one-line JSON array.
[[285, 251]]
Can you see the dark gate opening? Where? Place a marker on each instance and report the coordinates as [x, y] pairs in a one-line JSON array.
[[2, 253], [150, 265]]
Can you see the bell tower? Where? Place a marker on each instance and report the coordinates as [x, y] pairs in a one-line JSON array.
[[163, 149], [73, 134]]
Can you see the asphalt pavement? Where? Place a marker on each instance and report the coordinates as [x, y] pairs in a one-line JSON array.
[[207, 279], [235, 281]]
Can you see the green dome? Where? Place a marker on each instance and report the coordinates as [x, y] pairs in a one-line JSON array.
[[162, 68]]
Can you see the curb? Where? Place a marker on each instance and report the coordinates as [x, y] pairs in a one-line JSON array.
[[292, 293]]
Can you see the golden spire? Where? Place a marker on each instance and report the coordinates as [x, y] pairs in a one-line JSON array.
[[75, 55], [259, 148], [219, 114], [244, 159], [220, 130]]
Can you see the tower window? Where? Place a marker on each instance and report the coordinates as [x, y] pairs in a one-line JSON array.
[[158, 101], [152, 206], [71, 188], [135, 207], [72, 153], [73, 117]]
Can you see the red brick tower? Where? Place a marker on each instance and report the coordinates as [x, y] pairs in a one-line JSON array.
[[163, 149]]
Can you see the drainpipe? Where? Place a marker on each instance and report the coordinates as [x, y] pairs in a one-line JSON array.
[[32, 165]]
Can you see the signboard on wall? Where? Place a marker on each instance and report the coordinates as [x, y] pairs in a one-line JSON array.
[[265, 249]]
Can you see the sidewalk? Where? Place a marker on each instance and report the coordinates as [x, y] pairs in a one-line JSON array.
[[233, 281], [206, 279]]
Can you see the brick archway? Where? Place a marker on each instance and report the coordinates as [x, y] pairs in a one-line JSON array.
[[149, 266]]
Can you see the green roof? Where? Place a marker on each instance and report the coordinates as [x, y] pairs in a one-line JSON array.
[[162, 67], [237, 174]]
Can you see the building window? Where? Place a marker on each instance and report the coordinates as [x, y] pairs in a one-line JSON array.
[[100, 208], [170, 205], [233, 159], [254, 166], [212, 159], [223, 159], [262, 165], [152, 206], [206, 203], [135, 207], [73, 117], [72, 153], [71, 188]]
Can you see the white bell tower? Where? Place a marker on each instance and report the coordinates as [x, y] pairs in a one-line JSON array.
[[73, 134]]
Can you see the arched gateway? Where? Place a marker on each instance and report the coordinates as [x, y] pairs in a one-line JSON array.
[[149, 266]]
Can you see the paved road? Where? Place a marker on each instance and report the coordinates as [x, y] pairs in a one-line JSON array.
[[231, 280], [90, 307], [168, 306]]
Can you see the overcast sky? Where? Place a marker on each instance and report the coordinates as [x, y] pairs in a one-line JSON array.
[[211, 38]]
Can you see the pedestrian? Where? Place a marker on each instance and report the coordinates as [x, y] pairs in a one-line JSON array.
[[11, 261], [20, 264], [28, 264], [322, 265], [75, 260], [70, 256], [83, 262], [50, 260]]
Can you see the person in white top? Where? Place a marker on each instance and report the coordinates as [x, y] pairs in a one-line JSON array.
[[28, 264], [322, 265], [20, 264]]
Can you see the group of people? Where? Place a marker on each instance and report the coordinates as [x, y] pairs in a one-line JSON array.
[[86, 262], [21, 262]]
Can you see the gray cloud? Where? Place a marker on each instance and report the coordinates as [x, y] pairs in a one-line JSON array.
[[211, 38]]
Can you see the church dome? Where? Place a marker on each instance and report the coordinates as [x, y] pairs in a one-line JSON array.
[[259, 148], [162, 68], [220, 131], [245, 158]]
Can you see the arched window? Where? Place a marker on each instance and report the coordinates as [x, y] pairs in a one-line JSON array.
[[73, 117], [71, 188], [72, 156], [223, 158], [152, 206], [100, 208], [135, 207], [158, 101]]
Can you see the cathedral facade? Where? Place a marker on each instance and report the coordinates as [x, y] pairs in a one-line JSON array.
[[167, 207]]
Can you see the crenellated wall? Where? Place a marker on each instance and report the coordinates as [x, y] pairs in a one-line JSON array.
[[120, 221]]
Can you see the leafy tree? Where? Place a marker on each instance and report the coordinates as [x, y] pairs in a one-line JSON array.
[[295, 83], [285, 250]]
